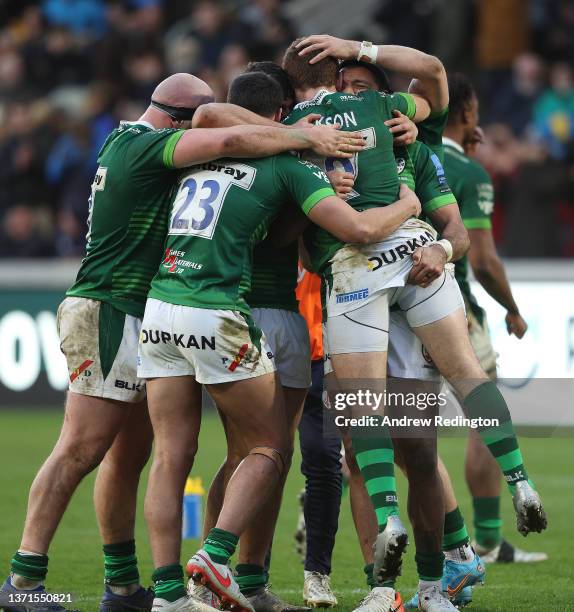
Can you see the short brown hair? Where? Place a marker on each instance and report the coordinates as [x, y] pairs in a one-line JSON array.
[[303, 74]]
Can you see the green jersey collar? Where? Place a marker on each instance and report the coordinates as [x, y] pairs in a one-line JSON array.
[[449, 142]]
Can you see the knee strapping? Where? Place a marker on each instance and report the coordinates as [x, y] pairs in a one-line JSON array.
[[270, 453]]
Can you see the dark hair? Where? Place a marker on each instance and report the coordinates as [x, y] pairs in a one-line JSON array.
[[257, 92], [378, 73], [461, 92], [303, 74], [275, 72]]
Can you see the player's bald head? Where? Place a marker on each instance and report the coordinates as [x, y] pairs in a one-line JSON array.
[[182, 90]]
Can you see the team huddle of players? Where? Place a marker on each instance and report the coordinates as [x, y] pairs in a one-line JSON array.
[[189, 282]]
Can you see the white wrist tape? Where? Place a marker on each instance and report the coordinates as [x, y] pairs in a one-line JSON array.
[[447, 246], [368, 52]]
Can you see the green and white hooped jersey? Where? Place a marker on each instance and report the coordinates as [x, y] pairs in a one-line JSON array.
[[129, 207], [472, 187], [219, 212]]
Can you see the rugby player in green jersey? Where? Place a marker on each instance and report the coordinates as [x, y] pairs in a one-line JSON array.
[[435, 311], [275, 310], [376, 457], [407, 359], [198, 329], [419, 167], [474, 191], [99, 324]]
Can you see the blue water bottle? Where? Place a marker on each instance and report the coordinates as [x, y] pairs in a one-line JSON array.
[[192, 523]]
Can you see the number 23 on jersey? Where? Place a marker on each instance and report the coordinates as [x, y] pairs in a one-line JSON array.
[[201, 195]]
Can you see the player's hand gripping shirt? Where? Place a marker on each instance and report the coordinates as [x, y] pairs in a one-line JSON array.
[[220, 211], [374, 168], [472, 186], [129, 207]]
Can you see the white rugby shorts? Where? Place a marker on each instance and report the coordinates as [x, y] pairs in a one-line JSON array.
[[100, 344], [366, 328], [288, 337], [213, 346]]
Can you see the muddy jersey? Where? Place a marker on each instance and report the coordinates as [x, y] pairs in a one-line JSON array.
[[472, 186], [129, 207], [220, 211], [374, 168]]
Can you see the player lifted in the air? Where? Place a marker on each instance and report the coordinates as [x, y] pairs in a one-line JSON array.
[[362, 282]]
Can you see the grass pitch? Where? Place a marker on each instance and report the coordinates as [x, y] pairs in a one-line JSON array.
[[76, 564]]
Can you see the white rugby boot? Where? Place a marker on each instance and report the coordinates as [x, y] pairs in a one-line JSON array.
[[202, 593], [381, 599], [218, 578], [505, 552], [317, 592], [183, 604], [388, 550], [434, 600], [530, 515]]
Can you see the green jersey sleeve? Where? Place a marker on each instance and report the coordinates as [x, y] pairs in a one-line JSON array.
[[431, 130], [431, 185], [400, 101], [477, 200], [303, 182], [154, 149]]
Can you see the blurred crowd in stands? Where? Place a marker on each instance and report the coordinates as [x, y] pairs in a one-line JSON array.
[[71, 69]]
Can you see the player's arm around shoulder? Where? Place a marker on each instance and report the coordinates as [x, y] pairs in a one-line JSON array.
[[223, 114], [250, 141], [373, 225]]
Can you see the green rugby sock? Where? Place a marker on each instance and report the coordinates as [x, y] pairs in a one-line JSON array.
[[429, 566], [368, 569], [220, 545], [455, 533], [121, 564], [30, 566], [168, 582], [487, 402], [487, 521], [250, 578], [376, 460]]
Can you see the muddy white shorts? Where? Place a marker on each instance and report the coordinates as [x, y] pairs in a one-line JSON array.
[[100, 344], [213, 346], [288, 337], [357, 274], [366, 329]]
